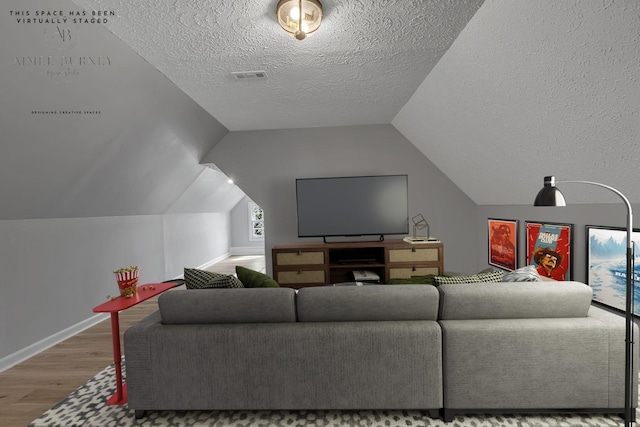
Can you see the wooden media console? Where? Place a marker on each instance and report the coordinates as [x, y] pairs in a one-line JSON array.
[[301, 264]]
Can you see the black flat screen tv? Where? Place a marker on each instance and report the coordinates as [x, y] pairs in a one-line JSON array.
[[353, 206]]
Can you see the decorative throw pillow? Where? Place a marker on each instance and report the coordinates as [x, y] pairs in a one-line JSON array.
[[524, 274], [441, 280], [201, 279], [255, 279], [490, 277]]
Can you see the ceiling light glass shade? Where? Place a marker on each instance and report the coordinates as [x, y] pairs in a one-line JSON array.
[[288, 13], [550, 195]]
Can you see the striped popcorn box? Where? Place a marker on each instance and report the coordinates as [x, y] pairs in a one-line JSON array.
[[127, 278]]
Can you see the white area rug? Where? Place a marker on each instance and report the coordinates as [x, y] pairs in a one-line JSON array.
[[86, 407]]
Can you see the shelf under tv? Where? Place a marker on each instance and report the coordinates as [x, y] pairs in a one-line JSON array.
[[356, 261]]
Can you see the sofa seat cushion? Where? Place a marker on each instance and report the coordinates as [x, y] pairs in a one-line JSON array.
[[516, 300], [367, 303], [203, 306]]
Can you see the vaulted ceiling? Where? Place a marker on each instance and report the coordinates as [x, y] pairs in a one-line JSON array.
[[518, 89], [496, 93]]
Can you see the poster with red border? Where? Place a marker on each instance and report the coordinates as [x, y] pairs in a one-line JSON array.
[[503, 243], [549, 249]]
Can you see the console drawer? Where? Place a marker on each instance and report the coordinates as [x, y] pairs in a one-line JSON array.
[[406, 273], [301, 276], [413, 255], [299, 258]]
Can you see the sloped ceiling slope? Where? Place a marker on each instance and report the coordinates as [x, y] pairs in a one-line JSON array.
[[535, 88], [91, 129]]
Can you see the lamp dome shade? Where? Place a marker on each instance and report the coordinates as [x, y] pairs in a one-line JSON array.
[[550, 195]]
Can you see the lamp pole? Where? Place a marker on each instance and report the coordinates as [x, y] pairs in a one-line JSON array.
[[549, 192]]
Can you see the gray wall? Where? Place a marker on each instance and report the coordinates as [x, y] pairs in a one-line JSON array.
[[610, 215], [265, 165]]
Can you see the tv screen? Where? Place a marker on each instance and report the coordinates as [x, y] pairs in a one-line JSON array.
[[353, 206]]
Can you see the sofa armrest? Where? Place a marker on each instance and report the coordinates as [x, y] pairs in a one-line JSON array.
[[138, 354]]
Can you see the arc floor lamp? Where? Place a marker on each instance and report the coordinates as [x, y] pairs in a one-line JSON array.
[[550, 195]]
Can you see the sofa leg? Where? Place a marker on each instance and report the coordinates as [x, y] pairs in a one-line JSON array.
[[431, 413], [434, 413], [448, 415], [633, 415], [139, 413]]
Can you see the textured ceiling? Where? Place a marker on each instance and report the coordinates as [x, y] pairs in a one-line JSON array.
[[519, 89], [360, 67]]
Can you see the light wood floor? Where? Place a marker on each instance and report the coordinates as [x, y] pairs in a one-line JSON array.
[[35, 385]]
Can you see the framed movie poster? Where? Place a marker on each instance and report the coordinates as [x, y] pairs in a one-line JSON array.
[[503, 243], [607, 265], [549, 248]]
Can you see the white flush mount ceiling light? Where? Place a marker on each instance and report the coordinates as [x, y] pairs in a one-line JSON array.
[[299, 17]]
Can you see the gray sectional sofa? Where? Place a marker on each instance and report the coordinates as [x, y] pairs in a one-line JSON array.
[[456, 348]]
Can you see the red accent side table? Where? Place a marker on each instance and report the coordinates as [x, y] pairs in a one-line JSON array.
[[114, 306]]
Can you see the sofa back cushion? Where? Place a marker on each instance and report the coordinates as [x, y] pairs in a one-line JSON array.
[[514, 300], [367, 303], [259, 305]]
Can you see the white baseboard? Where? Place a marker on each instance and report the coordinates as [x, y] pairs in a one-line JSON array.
[[35, 348], [210, 263], [247, 250]]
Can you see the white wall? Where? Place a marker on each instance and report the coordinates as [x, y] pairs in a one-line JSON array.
[[54, 271], [194, 240], [241, 244]]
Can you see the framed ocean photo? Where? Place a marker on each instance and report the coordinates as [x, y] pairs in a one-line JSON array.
[[607, 265]]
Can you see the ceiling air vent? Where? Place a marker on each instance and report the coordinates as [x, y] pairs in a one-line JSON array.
[[249, 75]]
